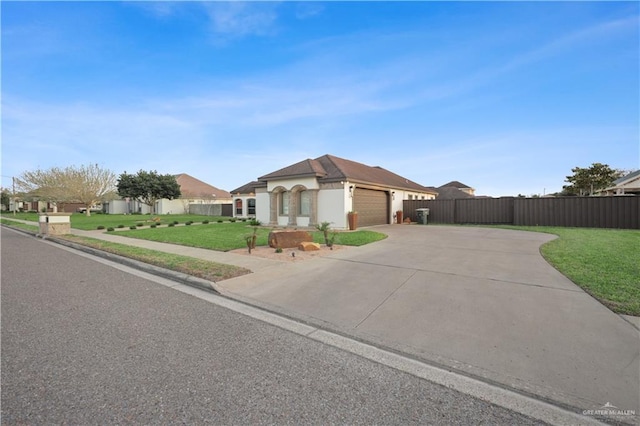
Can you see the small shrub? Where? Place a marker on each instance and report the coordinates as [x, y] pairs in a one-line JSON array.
[[154, 225], [255, 222], [139, 224], [133, 227], [175, 222], [204, 222], [171, 224], [100, 227], [279, 250], [244, 219], [188, 223], [110, 229], [232, 220], [219, 220], [120, 226]]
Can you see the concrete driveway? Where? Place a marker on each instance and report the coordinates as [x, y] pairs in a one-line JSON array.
[[480, 301]]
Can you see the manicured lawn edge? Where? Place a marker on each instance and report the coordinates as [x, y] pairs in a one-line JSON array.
[[191, 267], [23, 226], [603, 262]]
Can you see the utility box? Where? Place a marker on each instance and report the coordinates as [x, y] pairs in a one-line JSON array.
[[422, 214], [54, 224]]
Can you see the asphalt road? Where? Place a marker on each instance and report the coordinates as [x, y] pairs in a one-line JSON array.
[[87, 343]]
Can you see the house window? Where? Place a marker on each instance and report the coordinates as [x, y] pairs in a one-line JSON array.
[[238, 207], [251, 205], [284, 203], [410, 197], [305, 203]]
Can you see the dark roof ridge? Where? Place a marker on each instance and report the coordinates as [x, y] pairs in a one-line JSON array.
[[626, 177], [301, 168], [455, 184]]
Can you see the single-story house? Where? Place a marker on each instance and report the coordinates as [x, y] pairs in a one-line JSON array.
[[626, 185], [326, 189], [197, 197]]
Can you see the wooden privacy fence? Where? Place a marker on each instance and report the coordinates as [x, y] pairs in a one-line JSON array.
[[586, 212]]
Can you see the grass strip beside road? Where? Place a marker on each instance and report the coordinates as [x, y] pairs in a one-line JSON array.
[[603, 262], [212, 271], [13, 223]]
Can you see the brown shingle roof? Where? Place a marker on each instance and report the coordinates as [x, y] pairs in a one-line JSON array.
[[192, 187], [249, 188], [455, 184], [329, 168], [451, 193], [306, 167]]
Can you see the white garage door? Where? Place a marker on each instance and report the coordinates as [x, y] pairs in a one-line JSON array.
[[372, 206]]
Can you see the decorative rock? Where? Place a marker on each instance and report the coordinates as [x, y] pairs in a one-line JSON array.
[[288, 239], [308, 246]]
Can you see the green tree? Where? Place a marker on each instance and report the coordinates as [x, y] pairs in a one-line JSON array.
[[5, 198], [88, 184], [148, 187], [590, 180]]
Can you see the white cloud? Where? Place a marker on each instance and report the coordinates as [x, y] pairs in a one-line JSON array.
[[232, 20], [305, 10]]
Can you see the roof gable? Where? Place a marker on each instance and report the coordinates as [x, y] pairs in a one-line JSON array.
[[192, 187], [249, 188], [452, 193], [329, 168], [455, 184], [376, 175], [306, 167]]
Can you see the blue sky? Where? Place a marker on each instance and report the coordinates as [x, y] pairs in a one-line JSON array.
[[506, 97]]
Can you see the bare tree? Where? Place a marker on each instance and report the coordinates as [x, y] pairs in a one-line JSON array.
[[88, 185]]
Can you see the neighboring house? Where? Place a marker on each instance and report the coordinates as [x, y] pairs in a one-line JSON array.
[[626, 185], [199, 197], [40, 206], [455, 190], [196, 197], [326, 189]]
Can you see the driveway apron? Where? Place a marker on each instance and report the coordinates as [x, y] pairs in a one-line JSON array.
[[481, 301]]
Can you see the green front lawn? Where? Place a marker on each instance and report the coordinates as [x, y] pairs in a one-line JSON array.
[[229, 236], [604, 262]]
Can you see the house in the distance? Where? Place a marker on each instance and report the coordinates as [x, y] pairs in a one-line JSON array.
[[326, 189], [197, 197], [626, 185], [455, 190]]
